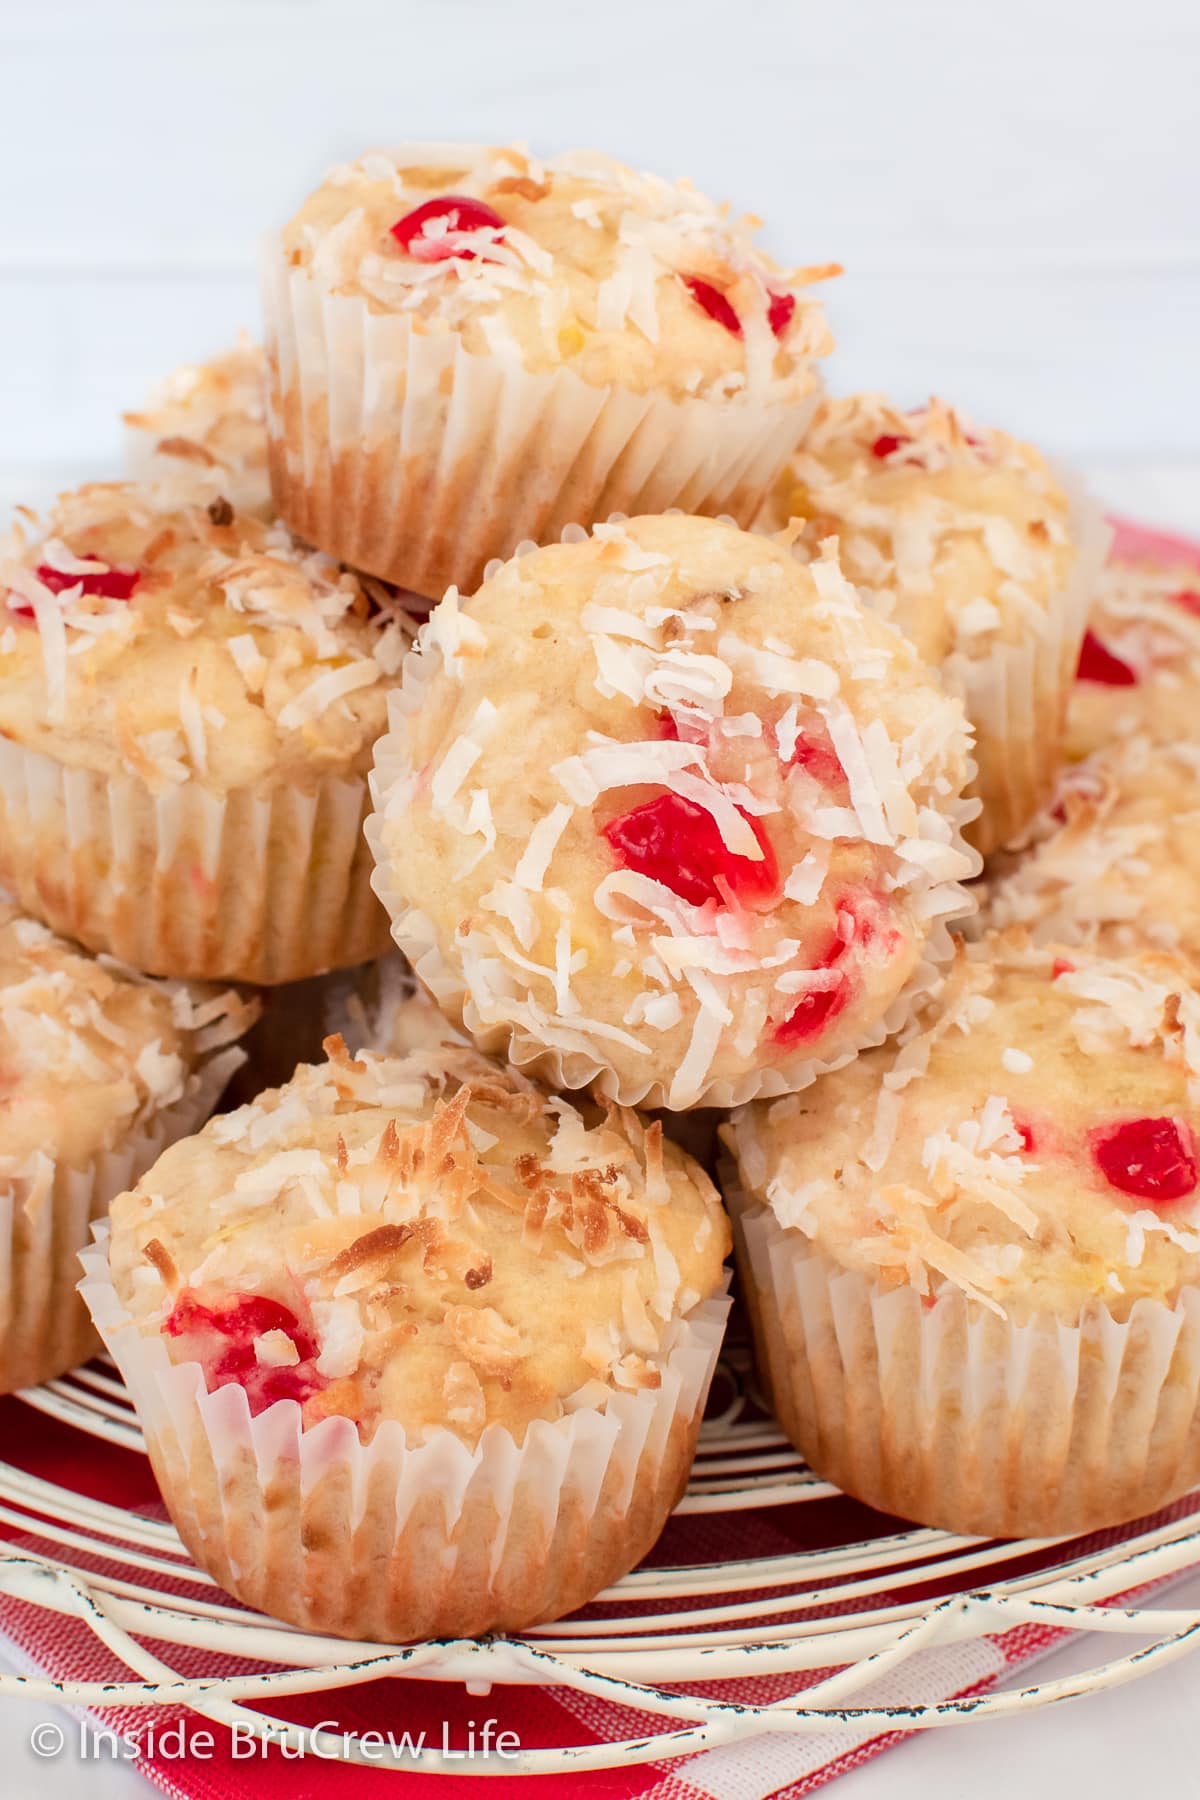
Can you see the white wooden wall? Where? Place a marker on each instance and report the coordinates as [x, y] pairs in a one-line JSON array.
[[1011, 184]]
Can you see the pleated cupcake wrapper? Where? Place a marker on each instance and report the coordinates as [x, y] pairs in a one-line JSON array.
[[1017, 695], [397, 450], [393, 1541], [941, 1412], [186, 882], [44, 1325], [561, 1066]]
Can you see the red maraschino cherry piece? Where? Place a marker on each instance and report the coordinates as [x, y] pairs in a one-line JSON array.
[[674, 841], [240, 1318], [819, 760], [1153, 1159], [780, 308], [244, 1316], [293, 1381], [105, 584], [711, 300], [887, 443], [452, 216], [814, 1011], [1025, 1132], [1098, 663], [235, 1321], [718, 306]]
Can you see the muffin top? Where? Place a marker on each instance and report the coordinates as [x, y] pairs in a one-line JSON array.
[[1115, 859], [670, 803], [1139, 668], [205, 426], [122, 1047], [178, 642], [1030, 1141], [428, 1239], [576, 261], [958, 534]]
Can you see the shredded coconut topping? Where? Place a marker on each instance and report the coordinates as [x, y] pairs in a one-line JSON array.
[[958, 534], [442, 1231], [1114, 861]]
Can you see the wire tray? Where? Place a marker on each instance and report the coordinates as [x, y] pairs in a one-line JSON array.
[[675, 1644]]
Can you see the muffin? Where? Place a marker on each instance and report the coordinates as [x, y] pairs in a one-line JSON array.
[[419, 1351], [204, 428], [1115, 859], [967, 541], [667, 810], [469, 348], [974, 1256], [100, 1069], [188, 702], [1139, 664]]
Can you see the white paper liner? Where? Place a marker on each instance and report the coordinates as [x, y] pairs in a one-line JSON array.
[[395, 1542], [556, 1067], [945, 1414], [374, 1006], [395, 449], [1017, 695], [44, 1326], [381, 1008], [261, 888]]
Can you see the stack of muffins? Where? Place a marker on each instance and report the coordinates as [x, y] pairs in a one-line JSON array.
[[528, 605]]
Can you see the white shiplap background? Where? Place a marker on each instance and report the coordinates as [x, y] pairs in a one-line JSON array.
[[1012, 187]]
